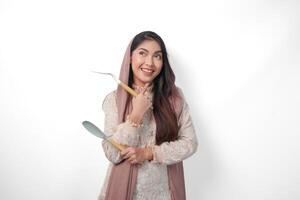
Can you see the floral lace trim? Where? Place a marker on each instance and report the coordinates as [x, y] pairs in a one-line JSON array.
[[141, 88]]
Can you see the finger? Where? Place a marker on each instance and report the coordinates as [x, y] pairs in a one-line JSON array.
[[133, 161], [133, 101], [141, 162], [145, 87], [126, 151], [132, 157], [128, 154]]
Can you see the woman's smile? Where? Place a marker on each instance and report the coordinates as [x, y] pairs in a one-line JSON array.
[[147, 71]]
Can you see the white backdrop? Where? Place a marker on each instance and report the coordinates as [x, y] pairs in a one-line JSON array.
[[236, 61]]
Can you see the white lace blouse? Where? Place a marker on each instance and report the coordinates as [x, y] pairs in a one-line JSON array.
[[152, 179]]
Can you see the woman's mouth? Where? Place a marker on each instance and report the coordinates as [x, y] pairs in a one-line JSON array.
[[147, 71]]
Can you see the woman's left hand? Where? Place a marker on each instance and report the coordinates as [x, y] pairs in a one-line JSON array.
[[136, 155]]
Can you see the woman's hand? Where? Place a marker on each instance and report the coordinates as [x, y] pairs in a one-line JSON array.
[[137, 155], [140, 104]]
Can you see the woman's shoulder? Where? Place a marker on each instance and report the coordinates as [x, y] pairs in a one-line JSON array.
[[180, 92], [109, 100], [111, 95]]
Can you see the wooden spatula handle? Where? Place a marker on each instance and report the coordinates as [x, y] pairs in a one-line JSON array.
[[128, 89], [117, 145]]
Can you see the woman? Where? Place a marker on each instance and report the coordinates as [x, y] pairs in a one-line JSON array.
[[155, 126]]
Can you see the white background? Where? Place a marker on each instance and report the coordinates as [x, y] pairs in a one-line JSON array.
[[236, 61]]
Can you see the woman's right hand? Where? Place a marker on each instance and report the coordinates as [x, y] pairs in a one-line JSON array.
[[140, 105]]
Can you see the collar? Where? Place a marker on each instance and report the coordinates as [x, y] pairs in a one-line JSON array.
[[138, 88], [148, 92]]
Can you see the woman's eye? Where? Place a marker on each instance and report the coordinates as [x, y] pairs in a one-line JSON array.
[[142, 53], [158, 56]]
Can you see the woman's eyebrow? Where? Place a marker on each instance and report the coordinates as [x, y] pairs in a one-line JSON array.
[[144, 49], [159, 51]]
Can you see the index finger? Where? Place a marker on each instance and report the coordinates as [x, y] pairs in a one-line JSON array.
[[125, 151], [145, 87]]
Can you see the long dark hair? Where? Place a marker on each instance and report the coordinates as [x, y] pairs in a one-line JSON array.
[[164, 92]]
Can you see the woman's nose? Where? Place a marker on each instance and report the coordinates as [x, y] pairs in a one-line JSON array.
[[149, 61]]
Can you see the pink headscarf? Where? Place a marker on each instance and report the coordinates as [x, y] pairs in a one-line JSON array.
[[122, 181]]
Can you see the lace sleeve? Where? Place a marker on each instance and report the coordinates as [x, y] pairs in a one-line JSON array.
[[123, 133], [183, 147]]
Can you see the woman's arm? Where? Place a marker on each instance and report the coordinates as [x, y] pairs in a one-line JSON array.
[[184, 146], [123, 133]]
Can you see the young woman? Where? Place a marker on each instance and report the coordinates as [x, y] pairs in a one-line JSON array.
[[155, 126]]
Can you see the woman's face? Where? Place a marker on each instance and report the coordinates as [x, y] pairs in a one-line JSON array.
[[146, 62]]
